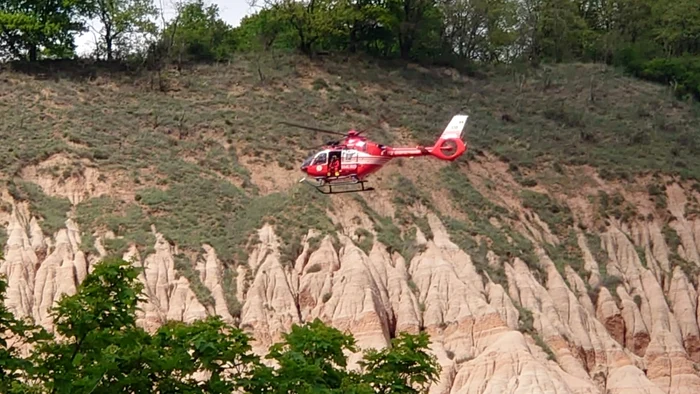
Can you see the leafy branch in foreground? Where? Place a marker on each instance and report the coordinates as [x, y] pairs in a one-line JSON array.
[[404, 365], [101, 349], [14, 334]]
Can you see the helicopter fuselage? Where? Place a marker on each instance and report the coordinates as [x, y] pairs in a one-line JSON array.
[[354, 158]]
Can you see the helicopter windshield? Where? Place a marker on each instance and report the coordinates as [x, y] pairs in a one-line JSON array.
[[315, 158], [307, 161], [321, 158]]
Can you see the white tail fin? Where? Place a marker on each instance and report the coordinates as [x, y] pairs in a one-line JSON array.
[[455, 128], [451, 136]]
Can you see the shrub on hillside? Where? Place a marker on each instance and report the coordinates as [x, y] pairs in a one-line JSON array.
[[682, 72], [647, 61]]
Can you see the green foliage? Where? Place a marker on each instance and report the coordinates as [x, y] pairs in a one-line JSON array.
[[526, 325], [683, 73], [3, 238], [225, 216], [559, 30], [98, 324], [406, 197], [128, 222], [30, 29], [480, 211], [642, 256], [198, 33], [663, 49], [311, 358], [14, 369], [638, 300], [525, 320], [402, 366], [52, 210], [496, 17], [657, 191], [120, 19], [617, 207], [195, 201], [557, 216], [203, 294], [102, 350], [560, 221], [544, 346], [656, 40], [567, 252], [183, 157], [673, 241], [365, 240], [671, 237], [611, 282], [295, 215], [228, 282], [390, 235], [205, 345], [542, 30], [191, 219], [316, 26]]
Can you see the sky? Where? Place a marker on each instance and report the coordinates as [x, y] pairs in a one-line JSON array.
[[230, 11]]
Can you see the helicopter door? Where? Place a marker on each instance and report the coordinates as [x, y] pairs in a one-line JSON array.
[[334, 165]]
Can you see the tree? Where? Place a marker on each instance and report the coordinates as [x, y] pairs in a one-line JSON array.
[[261, 31], [409, 16], [314, 21], [198, 33], [122, 18], [403, 365], [208, 345], [102, 350], [29, 26], [311, 358], [14, 334], [677, 26], [479, 29]]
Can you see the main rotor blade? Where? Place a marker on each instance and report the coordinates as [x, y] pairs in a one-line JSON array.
[[313, 128]]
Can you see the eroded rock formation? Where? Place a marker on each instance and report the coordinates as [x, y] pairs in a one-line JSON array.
[[627, 322]]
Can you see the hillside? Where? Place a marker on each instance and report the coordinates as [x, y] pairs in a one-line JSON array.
[[560, 254]]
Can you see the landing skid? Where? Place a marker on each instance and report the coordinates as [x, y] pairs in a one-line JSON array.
[[320, 184]]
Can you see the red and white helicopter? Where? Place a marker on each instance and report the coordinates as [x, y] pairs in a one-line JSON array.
[[352, 160]]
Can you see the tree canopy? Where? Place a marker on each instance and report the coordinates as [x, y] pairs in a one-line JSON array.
[[102, 349]]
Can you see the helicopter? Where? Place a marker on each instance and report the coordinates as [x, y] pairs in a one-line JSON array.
[[351, 160]]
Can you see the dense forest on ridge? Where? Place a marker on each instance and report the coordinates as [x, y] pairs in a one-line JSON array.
[[655, 40]]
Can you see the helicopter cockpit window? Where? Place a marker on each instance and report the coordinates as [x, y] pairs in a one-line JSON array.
[[321, 158], [307, 161]]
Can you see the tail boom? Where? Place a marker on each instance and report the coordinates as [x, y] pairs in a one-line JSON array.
[[452, 135], [407, 152]]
